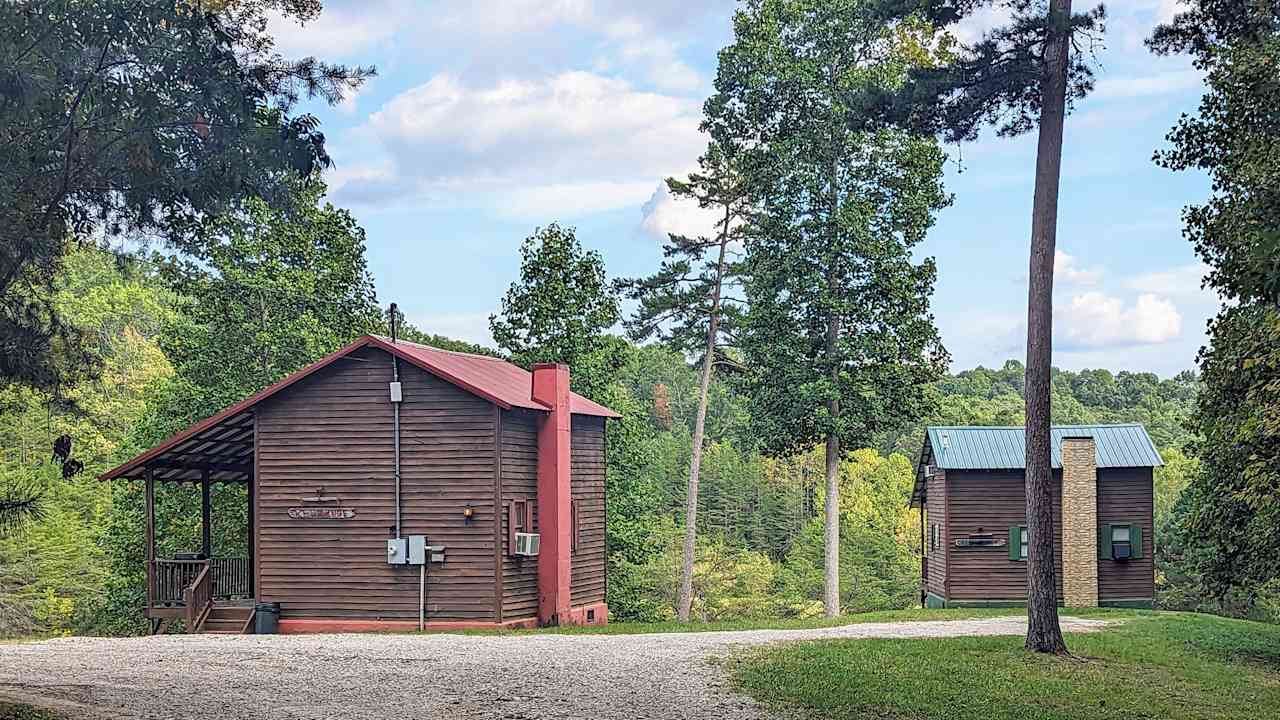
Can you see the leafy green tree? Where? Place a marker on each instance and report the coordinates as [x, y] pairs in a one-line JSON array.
[[1230, 506], [122, 116], [687, 308], [838, 339], [559, 310], [268, 292]]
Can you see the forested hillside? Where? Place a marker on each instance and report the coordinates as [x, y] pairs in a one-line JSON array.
[[78, 567]]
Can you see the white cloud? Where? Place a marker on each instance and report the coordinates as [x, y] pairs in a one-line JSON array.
[[339, 31], [1096, 320], [971, 28], [567, 200], [575, 140], [665, 215], [1067, 269]]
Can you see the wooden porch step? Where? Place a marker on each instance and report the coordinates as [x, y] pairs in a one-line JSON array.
[[230, 612], [226, 620]]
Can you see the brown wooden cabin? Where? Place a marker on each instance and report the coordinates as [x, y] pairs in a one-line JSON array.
[[970, 488], [485, 450]]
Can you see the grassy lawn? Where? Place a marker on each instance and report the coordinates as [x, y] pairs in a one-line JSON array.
[[638, 628], [1155, 665], [912, 615]]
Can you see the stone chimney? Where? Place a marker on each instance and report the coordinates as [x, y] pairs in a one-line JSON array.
[[551, 388], [1079, 522]]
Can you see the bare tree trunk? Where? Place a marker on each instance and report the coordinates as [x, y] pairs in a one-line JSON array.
[[699, 426], [831, 596], [1043, 631]]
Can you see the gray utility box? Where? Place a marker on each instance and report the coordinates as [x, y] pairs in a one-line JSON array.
[[397, 551], [417, 549], [413, 550]]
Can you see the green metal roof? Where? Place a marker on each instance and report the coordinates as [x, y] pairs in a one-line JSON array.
[[1004, 448]]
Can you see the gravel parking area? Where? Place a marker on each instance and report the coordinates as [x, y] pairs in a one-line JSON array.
[[388, 677]]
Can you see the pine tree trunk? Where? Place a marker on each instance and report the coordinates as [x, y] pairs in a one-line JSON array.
[[695, 461], [1043, 631]]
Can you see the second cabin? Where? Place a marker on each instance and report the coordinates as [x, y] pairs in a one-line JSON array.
[[496, 516], [971, 491]]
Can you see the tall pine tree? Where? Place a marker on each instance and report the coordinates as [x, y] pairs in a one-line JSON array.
[[685, 305], [1019, 77]]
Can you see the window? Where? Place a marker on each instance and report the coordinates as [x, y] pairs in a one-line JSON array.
[[1120, 541], [573, 518], [519, 520], [934, 533], [1019, 542], [1121, 547]]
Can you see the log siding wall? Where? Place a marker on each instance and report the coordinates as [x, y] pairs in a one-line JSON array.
[[936, 514], [993, 501], [587, 465], [333, 432], [1126, 495], [519, 484]]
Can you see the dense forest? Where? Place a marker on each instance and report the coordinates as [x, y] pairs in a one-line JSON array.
[[77, 567]]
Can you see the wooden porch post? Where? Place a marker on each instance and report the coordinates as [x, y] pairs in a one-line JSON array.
[[205, 541], [150, 493]]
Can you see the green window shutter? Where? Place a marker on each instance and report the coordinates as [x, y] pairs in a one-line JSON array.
[[1015, 542], [1104, 543], [1135, 539]]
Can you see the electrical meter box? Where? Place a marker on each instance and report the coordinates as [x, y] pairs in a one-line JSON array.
[[397, 551], [417, 549]]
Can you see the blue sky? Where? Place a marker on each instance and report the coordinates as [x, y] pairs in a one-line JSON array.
[[491, 117]]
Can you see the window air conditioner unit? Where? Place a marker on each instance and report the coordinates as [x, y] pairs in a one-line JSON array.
[[527, 544]]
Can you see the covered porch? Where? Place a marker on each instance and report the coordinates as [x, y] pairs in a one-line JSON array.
[[208, 587]]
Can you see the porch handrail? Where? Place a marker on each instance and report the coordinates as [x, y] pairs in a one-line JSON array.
[[198, 598]]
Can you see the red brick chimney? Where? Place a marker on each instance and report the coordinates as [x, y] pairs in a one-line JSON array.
[[551, 388]]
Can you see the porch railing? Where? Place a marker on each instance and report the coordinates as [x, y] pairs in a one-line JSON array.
[[227, 578], [232, 578]]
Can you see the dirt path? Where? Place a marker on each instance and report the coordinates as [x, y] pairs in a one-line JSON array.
[[388, 677]]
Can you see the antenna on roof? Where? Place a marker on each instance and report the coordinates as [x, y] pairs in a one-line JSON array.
[[393, 323]]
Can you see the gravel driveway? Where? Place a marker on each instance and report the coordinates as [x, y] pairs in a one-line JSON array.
[[387, 677]]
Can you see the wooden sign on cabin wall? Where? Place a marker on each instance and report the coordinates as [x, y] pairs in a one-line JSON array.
[[321, 513]]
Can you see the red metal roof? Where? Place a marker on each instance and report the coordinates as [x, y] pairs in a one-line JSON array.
[[493, 379]]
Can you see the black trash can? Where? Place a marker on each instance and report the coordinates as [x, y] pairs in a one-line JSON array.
[[267, 619]]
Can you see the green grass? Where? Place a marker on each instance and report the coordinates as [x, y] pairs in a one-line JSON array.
[[1155, 665], [912, 615]]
